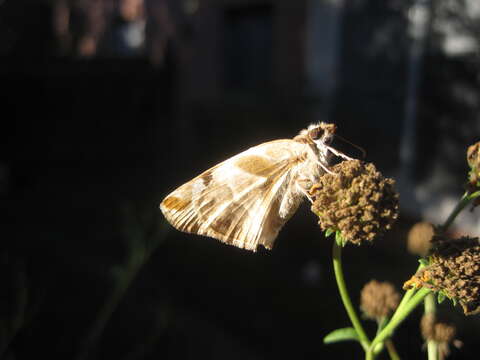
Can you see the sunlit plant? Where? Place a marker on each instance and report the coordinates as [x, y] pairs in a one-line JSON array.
[[356, 205]]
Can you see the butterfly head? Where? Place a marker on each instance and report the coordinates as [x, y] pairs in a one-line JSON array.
[[321, 134]]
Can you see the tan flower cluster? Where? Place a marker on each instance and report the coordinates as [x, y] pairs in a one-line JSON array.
[[419, 238], [356, 200], [438, 330], [473, 160], [378, 299], [454, 269], [441, 331]]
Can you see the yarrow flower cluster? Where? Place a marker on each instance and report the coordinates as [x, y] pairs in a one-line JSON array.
[[436, 329], [419, 238], [378, 299], [453, 270], [441, 331], [473, 160], [356, 200]]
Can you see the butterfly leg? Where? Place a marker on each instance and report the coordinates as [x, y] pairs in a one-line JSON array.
[[303, 184], [320, 163], [327, 170], [314, 188], [339, 154]]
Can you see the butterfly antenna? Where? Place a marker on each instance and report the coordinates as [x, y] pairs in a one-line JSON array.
[[364, 153]]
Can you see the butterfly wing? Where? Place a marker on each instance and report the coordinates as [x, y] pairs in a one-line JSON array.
[[238, 200]]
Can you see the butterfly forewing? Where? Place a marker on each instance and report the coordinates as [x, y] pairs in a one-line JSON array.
[[238, 201]]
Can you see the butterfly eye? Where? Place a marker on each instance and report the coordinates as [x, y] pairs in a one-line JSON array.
[[316, 133]]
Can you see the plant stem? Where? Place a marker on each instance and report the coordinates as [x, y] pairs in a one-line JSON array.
[[396, 321], [347, 303], [464, 201], [392, 352], [406, 298], [430, 308], [138, 254]]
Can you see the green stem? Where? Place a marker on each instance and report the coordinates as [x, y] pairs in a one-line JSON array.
[[430, 308], [138, 254], [347, 303], [107, 309], [406, 298], [392, 352], [464, 201], [382, 323], [397, 320]]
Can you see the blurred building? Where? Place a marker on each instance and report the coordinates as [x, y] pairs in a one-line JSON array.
[[280, 57], [275, 55]]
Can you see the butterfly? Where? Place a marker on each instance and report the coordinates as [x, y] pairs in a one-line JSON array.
[[245, 200]]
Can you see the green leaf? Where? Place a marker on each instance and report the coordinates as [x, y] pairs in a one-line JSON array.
[[440, 297], [344, 334], [423, 262], [454, 301], [329, 232]]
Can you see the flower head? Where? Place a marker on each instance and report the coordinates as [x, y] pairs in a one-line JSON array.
[[436, 329], [419, 238], [378, 299], [473, 160], [440, 330], [355, 200], [453, 270]]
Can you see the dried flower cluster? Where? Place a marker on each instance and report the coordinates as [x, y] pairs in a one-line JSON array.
[[441, 331], [473, 160], [378, 299], [356, 200], [454, 269], [419, 238]]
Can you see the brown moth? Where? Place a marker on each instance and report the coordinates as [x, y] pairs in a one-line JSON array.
[[246, 200]]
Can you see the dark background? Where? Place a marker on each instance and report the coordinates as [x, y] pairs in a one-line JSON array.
[[96, 129]]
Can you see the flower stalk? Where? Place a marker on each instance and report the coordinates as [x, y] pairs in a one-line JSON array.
[[399, 316], [430, 308], [392, 352], [464, 201], [347, 303]]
